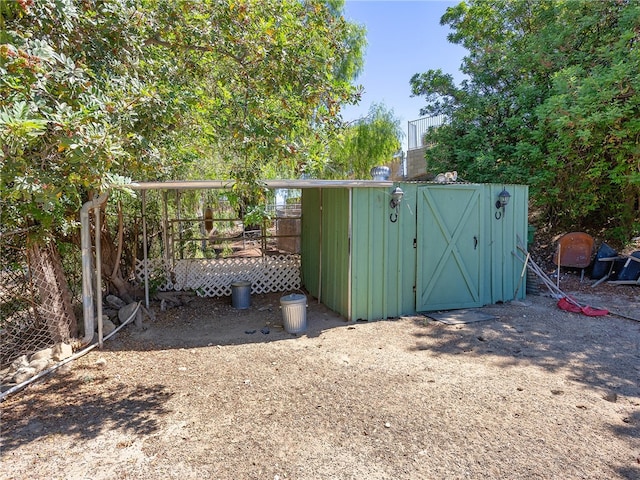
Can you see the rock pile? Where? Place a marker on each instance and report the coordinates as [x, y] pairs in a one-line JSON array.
[[115, 312], [27, 366]]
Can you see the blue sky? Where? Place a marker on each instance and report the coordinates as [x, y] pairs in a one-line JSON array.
[[404, 38]]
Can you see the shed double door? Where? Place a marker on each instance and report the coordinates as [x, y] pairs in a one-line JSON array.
[[450, 247]]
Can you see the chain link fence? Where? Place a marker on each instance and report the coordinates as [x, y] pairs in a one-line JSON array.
[[32, 317]]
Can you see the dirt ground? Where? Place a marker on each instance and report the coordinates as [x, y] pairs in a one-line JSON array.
[[205, 392]]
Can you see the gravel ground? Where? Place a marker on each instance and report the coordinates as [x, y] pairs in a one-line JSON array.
[[534, 393]]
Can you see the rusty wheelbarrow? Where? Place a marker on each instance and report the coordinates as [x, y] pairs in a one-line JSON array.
[[574, 250]]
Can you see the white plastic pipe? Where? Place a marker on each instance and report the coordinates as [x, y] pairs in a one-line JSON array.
[[87, 266], [144, 248], [98, 244]]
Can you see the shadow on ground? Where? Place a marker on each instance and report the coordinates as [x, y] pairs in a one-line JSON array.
[[85, 414], [600, 353], [205, 322]]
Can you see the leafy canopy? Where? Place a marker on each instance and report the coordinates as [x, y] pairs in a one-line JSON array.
[[92, 92], [552, 99]]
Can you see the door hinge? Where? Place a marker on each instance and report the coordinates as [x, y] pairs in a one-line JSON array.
[[415, 243]]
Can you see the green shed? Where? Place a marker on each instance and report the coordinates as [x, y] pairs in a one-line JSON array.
[[444, 246]]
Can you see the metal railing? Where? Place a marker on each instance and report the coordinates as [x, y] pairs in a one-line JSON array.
[[418, 128]]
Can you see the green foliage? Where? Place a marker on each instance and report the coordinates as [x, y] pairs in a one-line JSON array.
[[70, 105], [156, 89], [272, 78], [257, 215], [552, 100], [369, 142]]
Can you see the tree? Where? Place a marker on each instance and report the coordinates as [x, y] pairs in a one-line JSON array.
[[275, 72], [368, 142], [552, 99], [272, 77], [145, 88], [74, 113], [95, 91]]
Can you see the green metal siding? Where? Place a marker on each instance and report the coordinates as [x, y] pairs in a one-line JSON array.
[[451, 247], [369, 236], [402, 251], [325, 246], [384, 265], [505, 269], [335, 249], [383, 257], [310, 240]]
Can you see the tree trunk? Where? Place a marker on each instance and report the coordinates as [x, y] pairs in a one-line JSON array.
[[111, 258], [55, 298]]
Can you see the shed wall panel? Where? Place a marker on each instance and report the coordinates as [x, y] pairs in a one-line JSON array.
[[384, 263], [401, 273], [311, 240], [325, 246], [383, 257], [367, 265], [335, 250], [505, 268]]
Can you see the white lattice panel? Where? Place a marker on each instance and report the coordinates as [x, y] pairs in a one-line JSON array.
[[213, 277], [159, 273]]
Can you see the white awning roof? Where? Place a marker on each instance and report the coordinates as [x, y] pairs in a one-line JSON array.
[[225, 184]]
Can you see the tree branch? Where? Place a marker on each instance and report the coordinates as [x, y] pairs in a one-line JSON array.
[[116, 263], [195, 48]]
